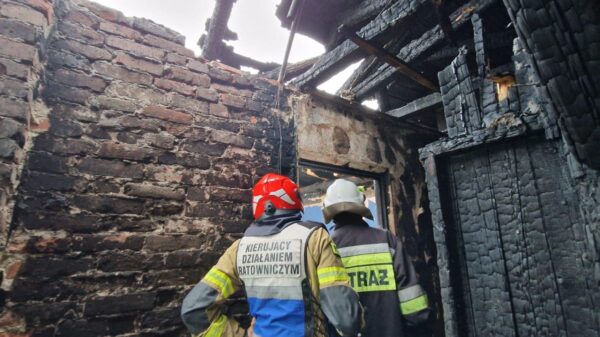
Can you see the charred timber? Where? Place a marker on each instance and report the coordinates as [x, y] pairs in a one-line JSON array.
[[391, 59], [347, 52], [212, 43], [417, 106], [418, 47], [292, 70]]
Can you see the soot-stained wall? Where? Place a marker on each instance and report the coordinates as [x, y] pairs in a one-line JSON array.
[[352, 137], [139, 175]]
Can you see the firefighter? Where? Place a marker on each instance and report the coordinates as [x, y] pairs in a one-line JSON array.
[[378, 268], [290, 270]]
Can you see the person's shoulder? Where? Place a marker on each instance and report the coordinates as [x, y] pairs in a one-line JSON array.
[[312, 225]]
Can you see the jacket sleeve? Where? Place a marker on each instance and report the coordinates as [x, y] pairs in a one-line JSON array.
[[200, 309], [339, 301], [414, 304]]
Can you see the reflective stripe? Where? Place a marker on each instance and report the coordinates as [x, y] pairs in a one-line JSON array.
[[220, 280], [409, 293], [331, 274], [216, 328], [366, 259], [281, 292], [372, 278], [414, 305], [364, 249]]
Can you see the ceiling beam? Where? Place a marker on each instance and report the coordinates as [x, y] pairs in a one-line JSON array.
[[416, 48], [389, 58], [347, 52], [212, 43], [416, 106]]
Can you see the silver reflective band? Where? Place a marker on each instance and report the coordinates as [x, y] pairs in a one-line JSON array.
[[278, 292], [364, 249], [409, 293]]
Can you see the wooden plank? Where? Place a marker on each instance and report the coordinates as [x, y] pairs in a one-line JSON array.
[[391, 59], [347, 52], [416, 106], [217, 28], [419, 46]]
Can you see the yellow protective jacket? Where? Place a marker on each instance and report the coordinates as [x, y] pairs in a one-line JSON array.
[[294, 279], [384, 277]]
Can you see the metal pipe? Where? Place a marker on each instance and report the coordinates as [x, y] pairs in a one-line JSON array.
[[297, 18]]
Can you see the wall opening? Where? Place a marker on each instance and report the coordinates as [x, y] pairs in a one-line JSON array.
[[314, 179]]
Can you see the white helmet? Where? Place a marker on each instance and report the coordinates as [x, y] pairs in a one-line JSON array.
[[344, 196]]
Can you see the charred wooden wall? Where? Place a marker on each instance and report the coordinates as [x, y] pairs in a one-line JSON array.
[[514, 197]]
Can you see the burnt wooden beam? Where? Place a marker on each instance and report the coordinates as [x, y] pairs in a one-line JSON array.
[[417, 106], [365, 67], [389, 58], [354, 106], [292, 70], [212, 43], [231, 58], [412, 51], [347, 52]]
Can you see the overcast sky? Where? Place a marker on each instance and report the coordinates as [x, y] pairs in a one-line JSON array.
[[260, 35]]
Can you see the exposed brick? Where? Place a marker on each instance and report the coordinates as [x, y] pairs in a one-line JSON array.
[[23, 13], [185, 159], [56, 91], [44, 181], [134, 48], [153, 191], [112, 71], [66, 146], [17, 30], [205, 148], [216, 73], [208, 94], [167, 114], [174, 86], [16, 50], [148, 26], [232, 90], [219, 110], [13, 108], [142, 95], [43, 6], [79, 80], [119, 304], [112, 103], [83, 18], [48, 267], [161, 140], [176, 59], [123, 151], [40, 161], [105, 204], [185, 103], [111, 168], [171, 242], [198, 66], [8, 148], [13, 87], [9, 128], [104, 12], [91, 52], [130, 261], [74, 112], [167, 45], [80, 33], [65, 128], [138, 64], [233, 101], [13, 69], [119, 29], [184, 75], [56, 59]]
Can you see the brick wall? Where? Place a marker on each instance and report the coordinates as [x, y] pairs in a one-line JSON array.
[[139, 176], [23, 28]]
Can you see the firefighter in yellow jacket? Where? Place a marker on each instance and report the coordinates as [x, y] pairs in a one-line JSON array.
[[290, 270], [378, 268]]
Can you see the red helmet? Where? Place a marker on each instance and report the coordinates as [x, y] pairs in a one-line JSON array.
[[274, 192]]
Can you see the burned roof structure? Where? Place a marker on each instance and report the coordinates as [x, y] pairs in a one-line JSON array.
[[126, 162]]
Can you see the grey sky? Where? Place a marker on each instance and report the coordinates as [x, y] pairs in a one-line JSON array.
[[260, 34]]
